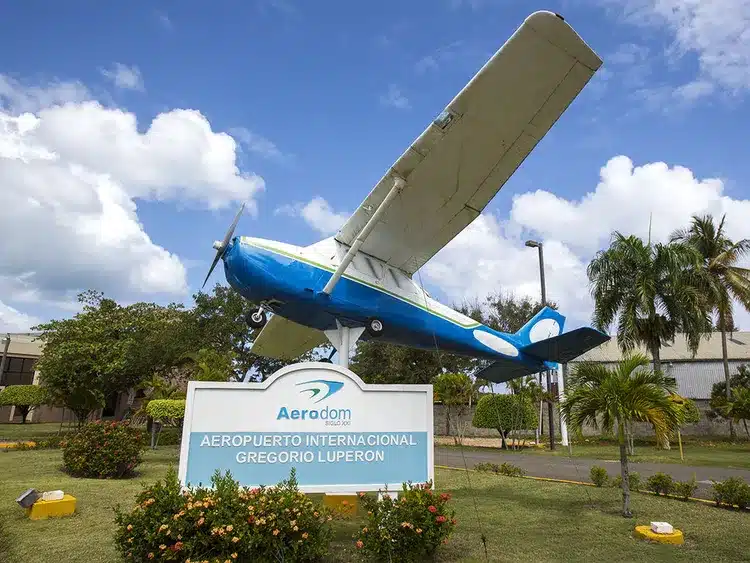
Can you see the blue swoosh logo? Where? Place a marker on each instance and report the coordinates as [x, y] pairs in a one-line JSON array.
[[321, 389]]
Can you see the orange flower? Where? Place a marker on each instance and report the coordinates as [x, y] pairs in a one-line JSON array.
[[360, 545]]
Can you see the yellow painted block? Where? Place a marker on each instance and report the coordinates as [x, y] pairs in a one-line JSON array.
[[341, 503], [42, 509], [645, 533], [11, 445]]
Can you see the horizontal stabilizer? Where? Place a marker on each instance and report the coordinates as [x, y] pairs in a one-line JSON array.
[[566, 347], [505, 370]]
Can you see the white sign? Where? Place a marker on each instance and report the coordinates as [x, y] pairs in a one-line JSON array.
[[341, 434]]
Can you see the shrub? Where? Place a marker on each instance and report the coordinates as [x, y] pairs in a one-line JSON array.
[[224, 522], [169, 412], [685, 489], [24, 398], [511, 470], [103, 450], [634, 480], [410, 528], [733, 491], [507, 469], [599, 476], [660, 483], [169, 437]]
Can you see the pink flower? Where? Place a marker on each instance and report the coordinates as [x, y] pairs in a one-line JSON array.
[[432, 509]]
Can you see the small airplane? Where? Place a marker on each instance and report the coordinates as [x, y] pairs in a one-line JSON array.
[[359, 283]]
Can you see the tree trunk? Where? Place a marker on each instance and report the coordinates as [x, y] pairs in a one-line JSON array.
[[746, 430], [656, 354], [24, 413], [624, 473], [503, 444], [447, 421], [725, 359]]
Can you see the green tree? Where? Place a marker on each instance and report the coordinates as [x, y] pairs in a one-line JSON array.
[[454, 390], [105, 349], [738, 407], [217, 322], [24, 397], [722, 280], [718, 401], [618, 397], [650, 289], [208, 364], [505, 413]]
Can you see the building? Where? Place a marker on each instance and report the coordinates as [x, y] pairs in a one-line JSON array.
[[694, 375], [18, 355]]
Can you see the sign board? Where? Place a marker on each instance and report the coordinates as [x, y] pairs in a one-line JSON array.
[[340, 434]]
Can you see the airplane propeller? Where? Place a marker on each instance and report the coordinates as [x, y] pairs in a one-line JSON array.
[[221, 246]]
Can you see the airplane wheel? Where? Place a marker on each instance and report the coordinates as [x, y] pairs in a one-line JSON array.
[[256, 318], [374, 327]]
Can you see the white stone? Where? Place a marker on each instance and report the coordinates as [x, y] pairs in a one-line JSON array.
[[661, 528]]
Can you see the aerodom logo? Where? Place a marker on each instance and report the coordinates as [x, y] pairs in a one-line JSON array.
[[318, 390]]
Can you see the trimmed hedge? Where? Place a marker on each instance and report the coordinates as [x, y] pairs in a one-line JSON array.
[[23, 397], [167, 411]]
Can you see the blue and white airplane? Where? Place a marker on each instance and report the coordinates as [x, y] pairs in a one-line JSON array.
[[359, 282]]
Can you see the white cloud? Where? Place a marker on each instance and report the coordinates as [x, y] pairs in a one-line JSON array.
[[70, 176], [318, 214], [394, 98], [18, 97], [125, 77], [257, 144], [12, 320], [716, 31], [490, 254]]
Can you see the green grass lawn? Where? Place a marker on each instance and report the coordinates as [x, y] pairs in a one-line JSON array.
[[523, 520]]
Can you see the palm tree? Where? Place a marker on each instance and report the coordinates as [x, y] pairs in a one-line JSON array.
[[649, 289], [628, 393], [720, 278]]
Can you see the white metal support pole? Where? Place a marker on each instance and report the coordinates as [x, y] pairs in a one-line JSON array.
[[344, 351], [398, 185], [343, 338], [560, 396]]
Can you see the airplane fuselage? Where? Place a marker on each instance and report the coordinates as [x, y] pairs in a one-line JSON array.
[[289, 280]]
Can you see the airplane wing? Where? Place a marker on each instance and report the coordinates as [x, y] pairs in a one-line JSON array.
[[286, 340], [458, 164]]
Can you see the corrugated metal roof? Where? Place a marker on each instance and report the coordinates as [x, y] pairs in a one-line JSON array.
[[738, 348]]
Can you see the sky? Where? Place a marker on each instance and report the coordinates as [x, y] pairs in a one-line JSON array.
[[130, 134]]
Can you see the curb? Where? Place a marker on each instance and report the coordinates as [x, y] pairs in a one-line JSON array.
[[568, 482]]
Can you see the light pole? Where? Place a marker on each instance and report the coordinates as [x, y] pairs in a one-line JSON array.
[[538, 245]]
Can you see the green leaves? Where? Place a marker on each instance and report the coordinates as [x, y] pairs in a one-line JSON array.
[[630, 392], [652, 288], [505, 413], [23, 395], [166, 411]]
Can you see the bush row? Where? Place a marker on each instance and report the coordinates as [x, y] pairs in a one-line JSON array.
[[729, 493], [227, 522]]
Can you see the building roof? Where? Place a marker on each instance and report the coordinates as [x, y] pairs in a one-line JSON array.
[[738, 349], [22, 344]]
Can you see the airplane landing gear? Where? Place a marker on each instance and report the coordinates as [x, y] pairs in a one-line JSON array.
[[256, 318], [374, 327]]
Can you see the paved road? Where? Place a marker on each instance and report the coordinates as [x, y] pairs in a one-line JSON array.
[[577, 468]]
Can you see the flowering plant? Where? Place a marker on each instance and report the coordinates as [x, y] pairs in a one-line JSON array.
[[225, 522], [103, 450], [409, 528]]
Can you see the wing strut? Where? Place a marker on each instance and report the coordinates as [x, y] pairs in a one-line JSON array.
[[398, 185]]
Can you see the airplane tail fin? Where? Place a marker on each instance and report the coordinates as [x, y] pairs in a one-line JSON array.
[[545, 324], [542, 341]]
